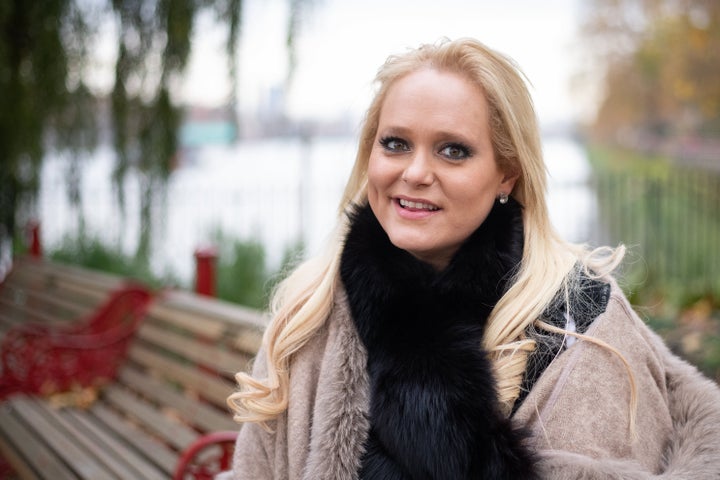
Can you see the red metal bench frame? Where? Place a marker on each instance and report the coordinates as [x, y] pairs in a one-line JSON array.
[[42, 359], [207, 456]]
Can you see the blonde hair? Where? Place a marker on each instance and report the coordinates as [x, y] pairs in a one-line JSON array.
[[304, 300]]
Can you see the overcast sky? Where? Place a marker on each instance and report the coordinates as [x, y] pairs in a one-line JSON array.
[[343, 42]]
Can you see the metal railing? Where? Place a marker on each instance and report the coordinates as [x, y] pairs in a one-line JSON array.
[[669, 221]]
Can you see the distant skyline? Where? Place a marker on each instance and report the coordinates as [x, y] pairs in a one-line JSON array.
[[343, 42]]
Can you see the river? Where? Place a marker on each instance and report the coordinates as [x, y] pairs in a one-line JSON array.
[[271, 190]]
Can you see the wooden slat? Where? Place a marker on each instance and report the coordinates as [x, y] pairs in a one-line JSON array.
[[173, 432], [195, 351], [12, 316], [47, 296], [30, 314], [214, 389], [46, 276], [33, 444], [69, 273], [202, 416], [205, 327], [54, 302], [229, 313], [66, 447], [124, 461], [40, 311], [89, 442], [61, 305], [17, 444], [91, 295], [21, 469], [5, 325], [248, 341], [161, 455], [26, 277]]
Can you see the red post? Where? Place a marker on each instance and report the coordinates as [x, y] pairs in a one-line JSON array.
[[205, 265], [34, 234]]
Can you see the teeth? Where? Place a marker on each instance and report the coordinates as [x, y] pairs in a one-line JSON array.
[[417, 205]]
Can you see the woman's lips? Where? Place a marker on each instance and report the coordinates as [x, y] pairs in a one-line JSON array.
[[414, 209], [408, 204]]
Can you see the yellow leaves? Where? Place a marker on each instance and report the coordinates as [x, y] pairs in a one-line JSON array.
[[683, 89], [697, 39], [79, 397], [672, 66]]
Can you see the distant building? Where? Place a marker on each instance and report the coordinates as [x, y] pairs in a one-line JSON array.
[[208, 126]]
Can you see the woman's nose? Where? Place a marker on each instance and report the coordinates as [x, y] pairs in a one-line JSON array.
[[419, 171]]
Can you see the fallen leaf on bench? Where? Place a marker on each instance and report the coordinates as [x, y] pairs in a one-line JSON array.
[[78, 397]]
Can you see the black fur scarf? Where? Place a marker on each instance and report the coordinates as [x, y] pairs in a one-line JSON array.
[[433, 406]]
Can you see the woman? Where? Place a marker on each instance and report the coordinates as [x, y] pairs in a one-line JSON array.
[[448, 332]]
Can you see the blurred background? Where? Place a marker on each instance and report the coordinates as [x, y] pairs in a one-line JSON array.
[[136, 132]]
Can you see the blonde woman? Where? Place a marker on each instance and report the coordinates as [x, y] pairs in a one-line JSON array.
[[448, 332]]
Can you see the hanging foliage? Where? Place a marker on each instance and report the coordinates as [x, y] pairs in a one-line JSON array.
[[37, 58], [44, 49]]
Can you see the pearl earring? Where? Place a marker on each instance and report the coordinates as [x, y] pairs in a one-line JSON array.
[[503, 198]]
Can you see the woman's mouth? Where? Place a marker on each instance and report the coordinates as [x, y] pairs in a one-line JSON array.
[[410, 205]]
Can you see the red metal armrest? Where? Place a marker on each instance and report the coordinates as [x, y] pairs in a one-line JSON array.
[[206, 457], [37, 359]]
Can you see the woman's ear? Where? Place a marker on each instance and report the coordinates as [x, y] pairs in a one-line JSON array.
[[508, 181]]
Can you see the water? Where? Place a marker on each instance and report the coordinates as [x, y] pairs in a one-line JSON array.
[[571, 199], [272, 190]]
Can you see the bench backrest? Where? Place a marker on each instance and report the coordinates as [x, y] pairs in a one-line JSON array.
[[52, 293]]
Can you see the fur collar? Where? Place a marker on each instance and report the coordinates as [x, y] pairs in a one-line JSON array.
[[433, 408]]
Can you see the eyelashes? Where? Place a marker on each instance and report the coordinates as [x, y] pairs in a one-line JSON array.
[[394, 144], [451, 150], [456, 151]]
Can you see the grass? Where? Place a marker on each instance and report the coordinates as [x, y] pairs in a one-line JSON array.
[[93, 253]]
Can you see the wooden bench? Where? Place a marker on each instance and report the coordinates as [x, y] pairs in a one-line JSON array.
[[168, 395]]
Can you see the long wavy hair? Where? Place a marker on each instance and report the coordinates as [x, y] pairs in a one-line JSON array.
[[303, 302]]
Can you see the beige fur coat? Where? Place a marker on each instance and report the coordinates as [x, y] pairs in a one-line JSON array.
[[578, 411]]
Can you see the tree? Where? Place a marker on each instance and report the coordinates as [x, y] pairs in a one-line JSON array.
[[39, 57], [46, 104], [661, 63]]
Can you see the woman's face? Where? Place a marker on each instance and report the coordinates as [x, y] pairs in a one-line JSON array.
[[432, 174]]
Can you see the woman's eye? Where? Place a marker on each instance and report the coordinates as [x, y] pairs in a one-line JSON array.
[[394, 144], [455, 151]]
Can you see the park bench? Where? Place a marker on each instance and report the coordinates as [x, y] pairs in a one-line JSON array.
[[163, 415]]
